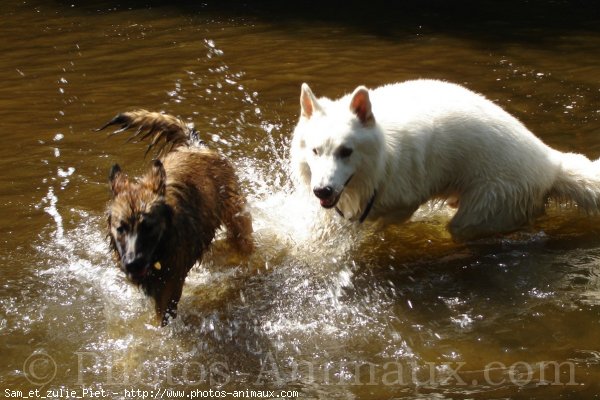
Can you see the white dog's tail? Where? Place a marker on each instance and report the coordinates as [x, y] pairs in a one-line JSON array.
[[578, 180]]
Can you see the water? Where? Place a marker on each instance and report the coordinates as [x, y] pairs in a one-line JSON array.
[[322, 308]]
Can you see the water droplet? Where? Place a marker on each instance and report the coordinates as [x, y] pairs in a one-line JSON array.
[[64, 173]]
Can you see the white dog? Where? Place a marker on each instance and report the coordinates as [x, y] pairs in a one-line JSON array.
[[380, 154]]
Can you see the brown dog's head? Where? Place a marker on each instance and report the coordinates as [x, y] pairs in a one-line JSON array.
[[138, 218]]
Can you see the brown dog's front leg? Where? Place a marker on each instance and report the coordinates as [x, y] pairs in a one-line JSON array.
[[167, 299]]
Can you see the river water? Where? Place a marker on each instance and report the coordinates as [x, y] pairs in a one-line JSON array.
[[328, 310]]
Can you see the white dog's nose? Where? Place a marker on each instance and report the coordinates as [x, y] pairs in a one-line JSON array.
[[323, 192]]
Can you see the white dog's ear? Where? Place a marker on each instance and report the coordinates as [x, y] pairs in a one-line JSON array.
[[308, 102], [361, 106]]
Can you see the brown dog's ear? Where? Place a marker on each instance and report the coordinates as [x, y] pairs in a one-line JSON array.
[[117, 179], [360, 105], [158, 178]]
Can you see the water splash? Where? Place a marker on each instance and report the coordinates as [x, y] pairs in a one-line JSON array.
[[311, 293], [51, 200]]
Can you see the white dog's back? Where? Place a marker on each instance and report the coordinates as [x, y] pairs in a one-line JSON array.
[[434, 140]]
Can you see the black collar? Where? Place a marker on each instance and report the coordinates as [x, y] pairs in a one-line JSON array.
[[367, 209]]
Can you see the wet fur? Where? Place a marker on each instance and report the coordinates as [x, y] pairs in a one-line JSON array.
[[167, 218]]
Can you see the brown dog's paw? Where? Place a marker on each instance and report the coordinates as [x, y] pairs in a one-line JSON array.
[[244, 245]]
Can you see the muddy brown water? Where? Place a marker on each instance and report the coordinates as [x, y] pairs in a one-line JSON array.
[[327, 310]]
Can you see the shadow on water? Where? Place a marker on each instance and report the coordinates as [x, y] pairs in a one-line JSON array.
[[491, 23]]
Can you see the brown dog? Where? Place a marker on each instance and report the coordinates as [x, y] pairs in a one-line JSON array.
[[161, 223]]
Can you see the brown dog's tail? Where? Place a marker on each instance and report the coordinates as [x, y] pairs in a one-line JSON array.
[[165, 131]]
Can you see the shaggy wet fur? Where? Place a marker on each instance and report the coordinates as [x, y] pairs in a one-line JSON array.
[[161, 223]]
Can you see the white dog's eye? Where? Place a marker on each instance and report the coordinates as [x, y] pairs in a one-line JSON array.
[[315, 152], [344, 152]]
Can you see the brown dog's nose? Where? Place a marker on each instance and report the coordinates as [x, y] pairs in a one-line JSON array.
[[323, 192], [132, 264]]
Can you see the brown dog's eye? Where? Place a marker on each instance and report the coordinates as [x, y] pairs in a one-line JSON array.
[[345, 152], [122, 228]]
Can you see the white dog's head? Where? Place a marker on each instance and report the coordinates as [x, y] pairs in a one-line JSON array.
[[336, 148]]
